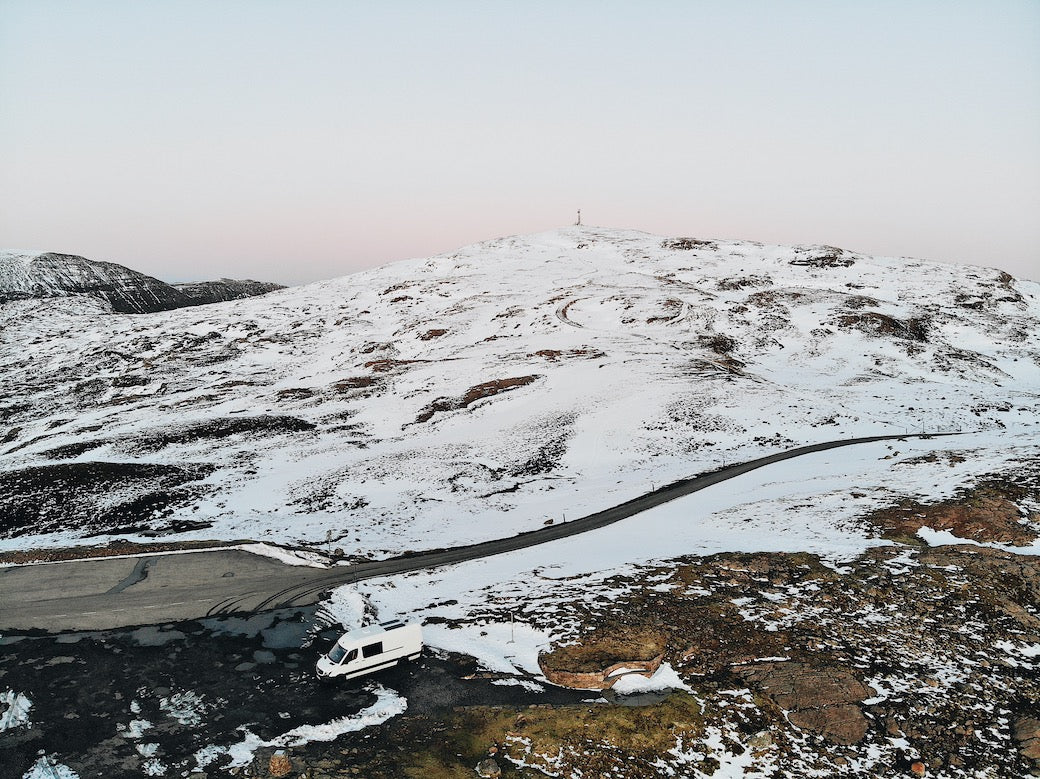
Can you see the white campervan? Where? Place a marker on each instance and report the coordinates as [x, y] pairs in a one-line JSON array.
[[373, 648]]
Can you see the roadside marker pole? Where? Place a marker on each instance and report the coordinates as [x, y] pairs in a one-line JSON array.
[[512, 634]]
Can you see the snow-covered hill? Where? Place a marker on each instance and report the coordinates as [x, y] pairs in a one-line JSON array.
[[48, 275], [476, 394]]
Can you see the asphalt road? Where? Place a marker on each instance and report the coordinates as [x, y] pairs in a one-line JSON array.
[[107, 593]]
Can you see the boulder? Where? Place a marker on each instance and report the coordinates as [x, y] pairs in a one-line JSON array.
[[821, 700], [488, 768], [279, 764], [1027, 734], [842, 724]]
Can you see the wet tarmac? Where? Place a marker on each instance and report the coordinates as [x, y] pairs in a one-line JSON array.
[[111, 704]]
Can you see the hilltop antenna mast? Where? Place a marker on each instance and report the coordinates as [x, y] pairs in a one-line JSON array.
[[578, 223]]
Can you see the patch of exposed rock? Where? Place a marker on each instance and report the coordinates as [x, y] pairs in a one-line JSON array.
[[600, 659], [876, 324], [987, 512], [472, 395], [822, 257], [820, 700], [932, 647], [1027, 734]]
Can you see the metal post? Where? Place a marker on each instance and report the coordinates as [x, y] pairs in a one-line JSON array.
[[512, 632]]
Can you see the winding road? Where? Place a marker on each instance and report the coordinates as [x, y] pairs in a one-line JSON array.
[[108, 593]]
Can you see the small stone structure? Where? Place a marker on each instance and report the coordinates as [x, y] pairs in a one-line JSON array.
[[601, 679]]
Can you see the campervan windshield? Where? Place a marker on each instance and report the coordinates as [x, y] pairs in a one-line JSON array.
[[337, 653]]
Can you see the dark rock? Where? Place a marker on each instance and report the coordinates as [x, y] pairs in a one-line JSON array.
[[821, 257], [488, 768], [688, 244], [842, 724], [203, 292]]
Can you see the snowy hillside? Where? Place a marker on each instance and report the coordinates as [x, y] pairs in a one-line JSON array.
[[476, 394], [48, 275]]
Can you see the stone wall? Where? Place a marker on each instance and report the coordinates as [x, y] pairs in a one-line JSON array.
[[602, 679]]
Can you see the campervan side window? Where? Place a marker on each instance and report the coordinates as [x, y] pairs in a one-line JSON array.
[[372, 649]]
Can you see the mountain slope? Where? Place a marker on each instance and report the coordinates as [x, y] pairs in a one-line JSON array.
[[222, 290], [475, 394], [56, 275], [48, 275]]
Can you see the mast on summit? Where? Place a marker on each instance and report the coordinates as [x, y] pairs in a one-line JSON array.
[[578, 223]]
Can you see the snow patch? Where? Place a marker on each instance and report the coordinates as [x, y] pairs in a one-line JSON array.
[[946, 538], [288, 556], [15, 710], [48, 768], [664, 678], [388, 704], [186, 707], [346, 606]]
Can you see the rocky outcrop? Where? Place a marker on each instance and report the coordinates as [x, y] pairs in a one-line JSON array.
[[931, 645], [822, 257], [604, 678], [878, 325], [473, 394], [986, 513], [488, 768], [820, 700], [1027, 734], [602, 658]]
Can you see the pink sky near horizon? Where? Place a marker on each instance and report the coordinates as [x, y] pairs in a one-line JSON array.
[[294, 142]]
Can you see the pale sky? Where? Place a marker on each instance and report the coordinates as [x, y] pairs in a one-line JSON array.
[[294, 141]]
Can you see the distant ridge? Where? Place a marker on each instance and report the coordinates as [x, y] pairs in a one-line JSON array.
[[49, 275], [201, 292]]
